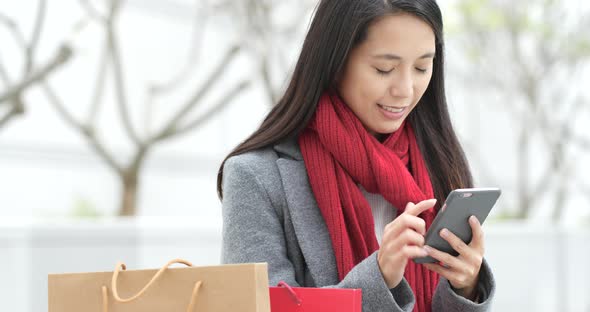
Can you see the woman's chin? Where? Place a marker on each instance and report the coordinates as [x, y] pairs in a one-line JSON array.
[[389, 129]]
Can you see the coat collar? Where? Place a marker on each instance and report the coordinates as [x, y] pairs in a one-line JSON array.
[[289, 148], [308, 222]]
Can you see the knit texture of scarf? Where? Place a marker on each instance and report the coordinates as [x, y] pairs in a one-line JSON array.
[[340, 154]]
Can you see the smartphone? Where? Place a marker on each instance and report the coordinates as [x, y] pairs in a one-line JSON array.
[[454, 216]]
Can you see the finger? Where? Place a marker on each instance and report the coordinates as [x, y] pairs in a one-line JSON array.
[[405, 221], [457, 279], [442, 271], [455, 242], [416, 223], [408, 237], [477, 242], [447, 259], [420, 207], [411, 237], [410, 252]]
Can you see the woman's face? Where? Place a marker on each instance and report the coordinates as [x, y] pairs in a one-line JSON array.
[[386, 75]]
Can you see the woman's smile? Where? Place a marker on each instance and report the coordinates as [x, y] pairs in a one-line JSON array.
[[392, 112]]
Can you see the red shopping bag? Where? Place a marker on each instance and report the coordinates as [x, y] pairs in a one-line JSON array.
[[284, 298]]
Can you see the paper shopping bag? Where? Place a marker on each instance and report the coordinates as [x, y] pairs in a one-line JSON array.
[[224, 288], [284, 298]]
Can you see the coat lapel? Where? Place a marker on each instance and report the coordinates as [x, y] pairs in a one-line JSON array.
[[308, 222]]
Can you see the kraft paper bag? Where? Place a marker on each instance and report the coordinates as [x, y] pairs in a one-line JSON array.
[[239, 287]]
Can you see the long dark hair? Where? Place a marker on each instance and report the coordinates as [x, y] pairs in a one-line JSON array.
[[337, 27]]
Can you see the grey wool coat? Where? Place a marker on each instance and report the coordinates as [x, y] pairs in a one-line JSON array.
[[270, 215]]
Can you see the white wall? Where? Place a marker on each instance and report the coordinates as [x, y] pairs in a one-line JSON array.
[[537, 268], [31, 251]]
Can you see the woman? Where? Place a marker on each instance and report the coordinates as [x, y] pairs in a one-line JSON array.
[[340, 182]]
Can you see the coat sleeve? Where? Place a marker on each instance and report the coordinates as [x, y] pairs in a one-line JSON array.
[[445, 299], [253, 232]]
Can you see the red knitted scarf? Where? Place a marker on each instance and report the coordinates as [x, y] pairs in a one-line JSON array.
[[339, 154]]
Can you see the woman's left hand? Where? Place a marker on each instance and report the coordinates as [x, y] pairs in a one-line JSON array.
[[462, 271]]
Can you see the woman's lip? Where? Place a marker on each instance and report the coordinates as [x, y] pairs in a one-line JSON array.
[[396, 107], [391, 115]]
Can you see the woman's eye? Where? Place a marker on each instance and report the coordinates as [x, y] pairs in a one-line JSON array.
[[383, 72], [421, 70]]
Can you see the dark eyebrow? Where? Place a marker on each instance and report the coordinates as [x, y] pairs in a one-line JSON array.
[[390, 56]]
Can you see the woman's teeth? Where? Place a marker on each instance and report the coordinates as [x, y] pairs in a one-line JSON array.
[[391, 109]]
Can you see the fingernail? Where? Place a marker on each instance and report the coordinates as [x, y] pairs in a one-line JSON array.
[[426, 249], [473, 219], [444, 232]]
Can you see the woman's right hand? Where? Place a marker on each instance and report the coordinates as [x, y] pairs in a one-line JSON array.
[[403, 239]]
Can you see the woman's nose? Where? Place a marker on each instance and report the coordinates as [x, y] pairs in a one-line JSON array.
[[402, 86]]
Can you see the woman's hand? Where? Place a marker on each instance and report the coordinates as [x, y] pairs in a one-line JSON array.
[[461, 271], [403, 239]]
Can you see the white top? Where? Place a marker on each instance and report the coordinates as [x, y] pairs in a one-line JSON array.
[[383, 211]]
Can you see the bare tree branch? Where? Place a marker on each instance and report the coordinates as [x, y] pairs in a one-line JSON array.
[[156, 90], [258, 21], [196, 98], [60, 107], [6, 21], [120, 89], [223, 5], [62, 56], [101, 150], [562, 187], [4, 74], [289, 30], [14, 92], [475, 157], [215, 108], [554, 168], [7, 117], [267, 79], [99, 87], [198, 30], [16, 99], [535, 49], [556, 145], [16, 109], [15, 30], [128, 171], [32, 46], [85, 130], [92, 11]]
